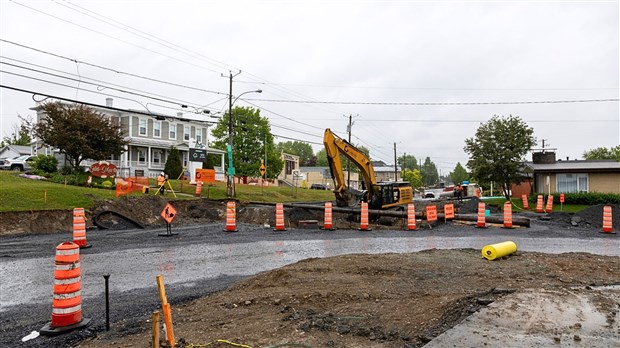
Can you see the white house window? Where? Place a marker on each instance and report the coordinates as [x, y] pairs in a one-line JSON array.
[[141, 156], [157, 129], [199, 135], [571, 183], [142, 127], [173, 131], [157, 157], [186, 132]]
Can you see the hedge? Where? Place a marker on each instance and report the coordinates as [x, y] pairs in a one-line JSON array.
[[583, 198]]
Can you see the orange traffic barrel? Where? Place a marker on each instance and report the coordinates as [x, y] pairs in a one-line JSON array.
[[539, 204], [231, 216], [507, 215], [481, 223], [67, 300], [607, 220], [79, 228], [198, 189], [328, 224], [448, 211], [364, 217], [526, 204], [280, 217], [411, 217], [549, 207]]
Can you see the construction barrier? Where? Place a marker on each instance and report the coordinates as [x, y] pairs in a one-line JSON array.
[[448, 211], [231, 217], [328, 224], [526, 204], [67, 302], [431, 213], [549, 207], [364, 217], [607, 220], [481, 223], [134, 184], [198, 189], [79, 228], [539, 204], [495, 251], [507, 215], [411, 217], [280, 217]]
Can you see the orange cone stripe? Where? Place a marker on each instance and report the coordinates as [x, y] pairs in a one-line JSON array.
[[411, 217], [481, 218], [364, 216], [607, 219], [328, 216], [507, 215], [279, 217], [539, 204], [230, 216], [67, 298]]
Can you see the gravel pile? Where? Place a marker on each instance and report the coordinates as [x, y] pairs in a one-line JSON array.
[[593, 216]]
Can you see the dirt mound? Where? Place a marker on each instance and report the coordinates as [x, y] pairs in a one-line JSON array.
[[593, 216]]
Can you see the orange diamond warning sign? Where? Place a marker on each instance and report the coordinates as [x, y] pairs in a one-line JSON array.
[[262, 169], [168, 213]]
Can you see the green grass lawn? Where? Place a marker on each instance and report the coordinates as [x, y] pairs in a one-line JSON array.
[[19, 194]]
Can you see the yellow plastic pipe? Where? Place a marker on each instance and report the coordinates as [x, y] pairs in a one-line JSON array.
[[495, 251]]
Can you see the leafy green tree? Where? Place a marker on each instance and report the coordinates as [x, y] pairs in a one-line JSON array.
[[174, 165], [603, 153], [79, 133], [44, 165], [20, 135], [408, 162], [413, 177], [298, 148], [321, 158], [429, 173], [498, 150], [459, 174], [252, 142]]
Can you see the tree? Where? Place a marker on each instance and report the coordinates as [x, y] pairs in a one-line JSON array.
[[298, 148], [321, 158], [20, 135], [413, 177], [459, 174], [498, 150], [603, 153], [174, 165], [429, 173], [79, 133], [252, 142], [408, 162]]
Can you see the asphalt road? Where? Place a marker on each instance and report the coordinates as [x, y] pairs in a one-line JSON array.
[[203, 259]]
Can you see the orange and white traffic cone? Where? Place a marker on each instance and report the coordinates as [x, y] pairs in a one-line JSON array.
[[198, 189], [364, 217], [67, 302], [549, 207], [231, 216], [411, 217], [481, 218], [79, 228], [328, 224], [526, 204], [607, 220], [280, 217], [539, 204], [507, 215]]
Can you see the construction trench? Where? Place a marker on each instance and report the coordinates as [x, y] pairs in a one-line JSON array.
[[388, 287]]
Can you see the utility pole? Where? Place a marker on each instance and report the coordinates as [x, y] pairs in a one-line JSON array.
[[395, 164], [230, 191], [349, 162]]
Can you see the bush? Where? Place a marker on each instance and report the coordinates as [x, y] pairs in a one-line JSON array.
[[77, 179], [44, 165], [583, 198], [66, 170]]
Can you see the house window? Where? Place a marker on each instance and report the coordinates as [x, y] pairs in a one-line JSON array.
[[141, 156], [186, 132], [199, 135], [185, 158], [571, 183], [173, 132], [157, 129], [157, 157], [142, 127]]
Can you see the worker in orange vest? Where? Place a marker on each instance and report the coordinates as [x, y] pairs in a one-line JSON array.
[[161, 181]]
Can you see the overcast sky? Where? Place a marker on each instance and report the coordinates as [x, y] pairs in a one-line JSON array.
[[318, 62]]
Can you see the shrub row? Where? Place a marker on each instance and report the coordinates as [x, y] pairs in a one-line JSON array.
[[584, 198]]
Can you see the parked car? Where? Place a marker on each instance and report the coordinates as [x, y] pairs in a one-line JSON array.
[[318, 187], [21, 163]]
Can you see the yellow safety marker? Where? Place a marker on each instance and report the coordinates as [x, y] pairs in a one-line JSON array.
[[495, 251]]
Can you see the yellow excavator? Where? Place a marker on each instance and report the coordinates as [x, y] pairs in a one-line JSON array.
[[379, 195]]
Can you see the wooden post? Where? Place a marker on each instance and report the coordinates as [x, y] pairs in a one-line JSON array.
[[165, 306], [155, 329]]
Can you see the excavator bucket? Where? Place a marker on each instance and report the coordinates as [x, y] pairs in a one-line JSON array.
[[349, 198]]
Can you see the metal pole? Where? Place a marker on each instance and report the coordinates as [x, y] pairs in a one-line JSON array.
[[107, 302], [395, 166], [229, 190], [349, 162]]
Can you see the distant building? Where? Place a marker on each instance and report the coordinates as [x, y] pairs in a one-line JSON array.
[[11, 151]]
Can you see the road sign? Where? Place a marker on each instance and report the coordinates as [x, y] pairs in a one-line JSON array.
[[262, 169], [168, 213]]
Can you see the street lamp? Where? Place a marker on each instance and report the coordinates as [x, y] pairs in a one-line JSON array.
[[231, 169]]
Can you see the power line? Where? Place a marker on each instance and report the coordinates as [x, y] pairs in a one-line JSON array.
[[433, 103]]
